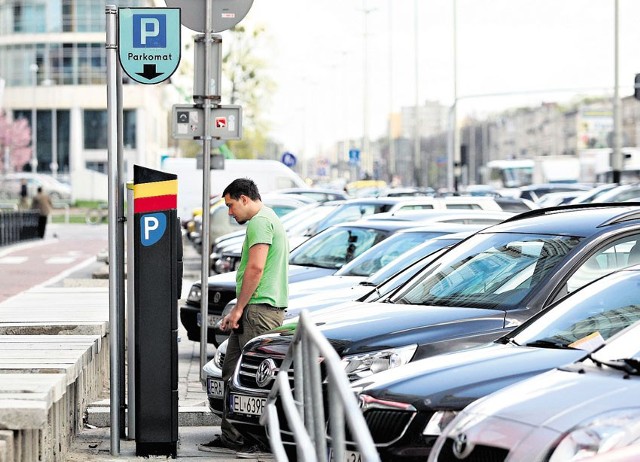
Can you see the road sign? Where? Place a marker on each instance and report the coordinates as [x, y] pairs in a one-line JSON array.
[[226, 13], [354, 156], [149, 43], [188, 122], [289, 159]]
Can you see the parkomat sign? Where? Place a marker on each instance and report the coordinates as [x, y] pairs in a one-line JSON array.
[[149, 43], [154, 197]]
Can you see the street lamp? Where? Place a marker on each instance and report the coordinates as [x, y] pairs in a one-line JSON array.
[[34, 123]]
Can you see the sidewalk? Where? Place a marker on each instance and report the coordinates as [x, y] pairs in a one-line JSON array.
[[197, 424]]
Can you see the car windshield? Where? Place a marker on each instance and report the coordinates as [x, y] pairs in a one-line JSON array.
[[622, 349], [385, 252], [489, 270], [588, 317], [336, 246]]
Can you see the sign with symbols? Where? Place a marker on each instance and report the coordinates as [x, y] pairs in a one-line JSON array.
[[188, 122], [289, 159], [149, 43], [354, 156]]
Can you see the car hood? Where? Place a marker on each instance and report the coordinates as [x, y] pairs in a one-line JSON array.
[[296, 273], [355, 327], [453, 380], [322, 285], [561, 398]]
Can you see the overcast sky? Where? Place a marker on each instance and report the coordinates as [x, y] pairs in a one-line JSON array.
[[518, 47]]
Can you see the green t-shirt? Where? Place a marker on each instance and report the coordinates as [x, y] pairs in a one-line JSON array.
[[265, 228]]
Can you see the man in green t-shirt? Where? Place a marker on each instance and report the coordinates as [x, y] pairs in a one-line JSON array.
[[261, 287]]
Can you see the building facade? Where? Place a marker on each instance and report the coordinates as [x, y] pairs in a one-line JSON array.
[[54, 66]]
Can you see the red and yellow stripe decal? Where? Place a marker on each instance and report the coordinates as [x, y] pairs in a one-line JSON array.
[[156, 196]]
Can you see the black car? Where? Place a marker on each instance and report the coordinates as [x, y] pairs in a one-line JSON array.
[[323, 254], [474, 293], [407, 408]]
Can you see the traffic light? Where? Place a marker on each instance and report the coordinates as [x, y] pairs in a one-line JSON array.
[[636, 87]]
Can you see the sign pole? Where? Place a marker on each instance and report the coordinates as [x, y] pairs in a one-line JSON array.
[[113, 143], [206, 187]]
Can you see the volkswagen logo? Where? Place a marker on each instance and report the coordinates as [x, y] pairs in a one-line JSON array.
[[461, 446], [265, 373]]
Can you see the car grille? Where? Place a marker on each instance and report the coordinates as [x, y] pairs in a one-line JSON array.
[[479, 453], [249, 364], [386, 426]]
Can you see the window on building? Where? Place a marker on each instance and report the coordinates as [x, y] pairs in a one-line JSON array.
[[96, 129]]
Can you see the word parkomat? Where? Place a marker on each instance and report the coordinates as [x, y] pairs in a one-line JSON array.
[[148, 57]]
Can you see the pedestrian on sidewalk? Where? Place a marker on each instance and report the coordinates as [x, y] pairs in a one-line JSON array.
[[261, 290], [42, 203], [24, 195]]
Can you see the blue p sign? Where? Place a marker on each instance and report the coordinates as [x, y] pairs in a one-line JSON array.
[[149, 31], [153, 227]]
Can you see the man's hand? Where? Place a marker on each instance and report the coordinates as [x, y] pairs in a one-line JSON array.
[[231, 320]]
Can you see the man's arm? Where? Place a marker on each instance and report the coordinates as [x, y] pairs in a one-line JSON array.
[[252, 275]]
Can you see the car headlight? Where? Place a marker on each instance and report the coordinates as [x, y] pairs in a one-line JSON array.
[[223, 266], [438, 421], [218, 358], [365, 364], [611, 430], [195, 294]]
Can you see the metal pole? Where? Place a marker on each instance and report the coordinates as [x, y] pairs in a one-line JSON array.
[[34, 121], [112, 146], [417, 159], [392, 148], [206, 188], [118, 259], [366, 160], [131, 340], [616, 161], [454, 151]]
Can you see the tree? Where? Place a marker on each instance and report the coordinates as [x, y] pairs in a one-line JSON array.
[[15, 138], [250, 86]]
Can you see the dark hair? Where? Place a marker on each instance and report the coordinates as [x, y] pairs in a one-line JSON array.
[[242, 187]]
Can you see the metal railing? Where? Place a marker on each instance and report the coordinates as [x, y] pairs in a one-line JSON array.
[[305, 412], [16, 226]]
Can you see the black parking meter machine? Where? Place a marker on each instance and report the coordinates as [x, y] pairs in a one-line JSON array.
[[157, 253]]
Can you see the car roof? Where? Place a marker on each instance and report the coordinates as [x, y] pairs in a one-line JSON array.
[[384, 225], [572, 220]]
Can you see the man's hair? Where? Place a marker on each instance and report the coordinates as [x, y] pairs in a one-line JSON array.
[[242, 187]]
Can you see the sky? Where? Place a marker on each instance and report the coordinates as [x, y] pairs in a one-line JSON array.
[[525, 51]]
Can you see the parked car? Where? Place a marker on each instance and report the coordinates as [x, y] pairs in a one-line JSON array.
[[584, 409], [319, 256], [406, 408], [378, 285], [535, 192], [221, 223], [319, 292], [473, 293], [622, 193], [317, 194], [10, 183], [230, 257]]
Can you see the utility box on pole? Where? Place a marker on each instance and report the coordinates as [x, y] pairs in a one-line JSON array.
[[158, 275]]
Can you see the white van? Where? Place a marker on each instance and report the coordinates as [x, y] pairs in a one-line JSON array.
[[269, 175]]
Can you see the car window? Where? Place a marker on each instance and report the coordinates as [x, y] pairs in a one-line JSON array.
[[464, 206], [489, 270], [333, 248], [385, 252], [416, 207], [603, 308], [620, 254]]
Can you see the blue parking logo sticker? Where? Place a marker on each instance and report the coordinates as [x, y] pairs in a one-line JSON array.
[[153, 226], [149, 31]]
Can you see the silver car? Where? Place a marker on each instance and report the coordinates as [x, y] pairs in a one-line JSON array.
[[564, 415]]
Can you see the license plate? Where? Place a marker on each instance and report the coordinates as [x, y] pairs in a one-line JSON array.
[[249, 405], [212, 319], [349, 456], [215, 388]]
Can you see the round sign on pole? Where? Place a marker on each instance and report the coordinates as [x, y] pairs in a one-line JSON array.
[[226, 13], [288, 159]]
